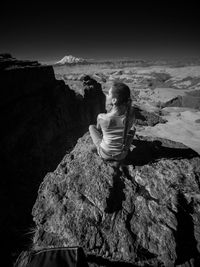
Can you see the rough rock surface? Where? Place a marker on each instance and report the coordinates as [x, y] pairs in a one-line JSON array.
[[144, 213], [146, 118]]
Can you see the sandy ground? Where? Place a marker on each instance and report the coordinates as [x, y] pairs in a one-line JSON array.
[[182, 123]]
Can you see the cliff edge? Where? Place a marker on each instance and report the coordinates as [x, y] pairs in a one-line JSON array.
[[41, 118]]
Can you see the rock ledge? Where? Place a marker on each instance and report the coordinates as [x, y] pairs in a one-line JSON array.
[[144, 213]]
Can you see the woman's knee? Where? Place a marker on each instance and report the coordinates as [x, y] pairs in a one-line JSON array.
[[91, 127]]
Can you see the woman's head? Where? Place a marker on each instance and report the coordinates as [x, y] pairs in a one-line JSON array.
[[119, 94]]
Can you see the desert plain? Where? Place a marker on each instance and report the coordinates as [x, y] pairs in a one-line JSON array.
[[170, 90]]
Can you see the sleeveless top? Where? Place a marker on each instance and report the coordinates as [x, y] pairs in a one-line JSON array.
[[112, 127]]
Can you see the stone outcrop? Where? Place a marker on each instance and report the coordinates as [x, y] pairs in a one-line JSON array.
[[41, 118], [142, 213], [190, 100], [146, 118]]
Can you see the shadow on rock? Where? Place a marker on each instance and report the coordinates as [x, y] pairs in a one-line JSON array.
[[149, 151], [186, 243], [116, 192]]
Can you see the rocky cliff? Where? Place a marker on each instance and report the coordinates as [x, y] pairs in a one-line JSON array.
[[143, 213], [41, 118]]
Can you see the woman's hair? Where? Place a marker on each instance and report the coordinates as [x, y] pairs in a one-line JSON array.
[[121, 92]]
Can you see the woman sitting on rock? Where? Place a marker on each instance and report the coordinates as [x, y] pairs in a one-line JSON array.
[[112, 136]]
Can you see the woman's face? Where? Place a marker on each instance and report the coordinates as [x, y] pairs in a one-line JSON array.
[[109, 101], [109, 97], [110, 91]]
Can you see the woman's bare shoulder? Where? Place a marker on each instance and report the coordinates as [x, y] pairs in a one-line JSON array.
[[102, 116]]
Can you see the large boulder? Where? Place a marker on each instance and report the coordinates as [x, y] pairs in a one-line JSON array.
[[145, 118], [145, 212]]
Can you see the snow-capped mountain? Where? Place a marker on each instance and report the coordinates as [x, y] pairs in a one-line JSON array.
[[70, 60]]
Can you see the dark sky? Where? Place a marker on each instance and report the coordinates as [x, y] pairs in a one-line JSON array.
[[49, 31]]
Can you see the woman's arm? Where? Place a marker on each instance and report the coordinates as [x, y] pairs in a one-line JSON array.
[[98, 125], [132, 115], [98, 122]]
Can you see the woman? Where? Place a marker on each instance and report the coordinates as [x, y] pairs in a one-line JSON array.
[[110, 134]]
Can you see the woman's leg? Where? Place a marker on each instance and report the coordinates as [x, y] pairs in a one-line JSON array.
[[95, 135]]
